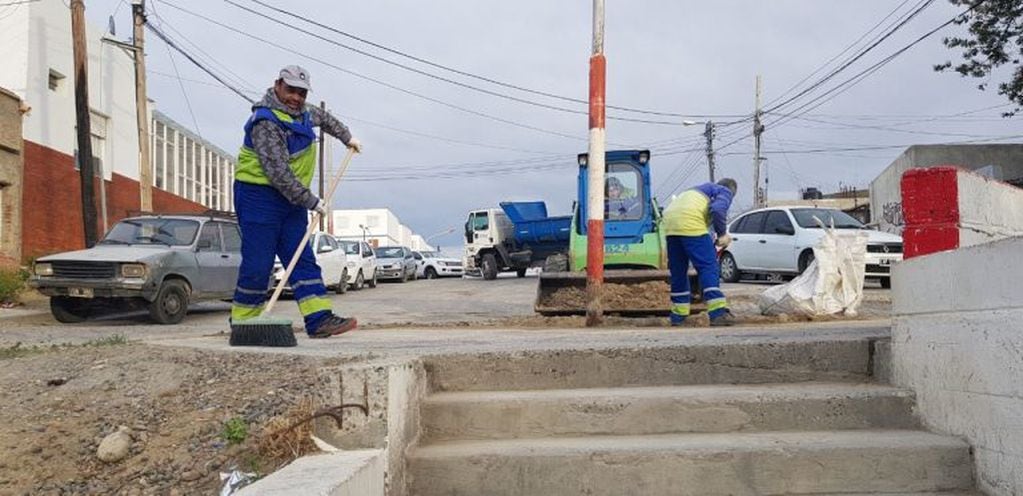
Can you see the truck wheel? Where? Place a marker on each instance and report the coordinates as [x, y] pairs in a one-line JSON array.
[[489, 267], [556, 263], [342, 285], [430, 273], [171, 303], [520, 273], [69, 310]]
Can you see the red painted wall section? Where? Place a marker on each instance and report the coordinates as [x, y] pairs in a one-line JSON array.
[[930, 205], [52, 209]]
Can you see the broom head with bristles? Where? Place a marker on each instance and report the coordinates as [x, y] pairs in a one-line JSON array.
[[263, 331]]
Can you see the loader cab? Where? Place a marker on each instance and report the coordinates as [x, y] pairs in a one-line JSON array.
[[629, 212]]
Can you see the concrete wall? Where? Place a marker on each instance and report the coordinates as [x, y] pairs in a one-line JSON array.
[[346, 473], [956, 342], [885, 190], [394, 390], [11, 175], [945, 208]]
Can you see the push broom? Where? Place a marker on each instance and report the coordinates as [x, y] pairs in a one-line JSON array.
[[267, 330]]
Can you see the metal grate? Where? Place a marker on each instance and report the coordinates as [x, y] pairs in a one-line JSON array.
[[85, 270]]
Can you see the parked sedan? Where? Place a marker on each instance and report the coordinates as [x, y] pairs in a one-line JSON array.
[[362, 264], [780, 241], [158, 262], [431, 265], [396, 262], [330, 257]]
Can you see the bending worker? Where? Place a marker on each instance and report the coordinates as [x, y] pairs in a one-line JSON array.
[[272, 199], [686, 222]]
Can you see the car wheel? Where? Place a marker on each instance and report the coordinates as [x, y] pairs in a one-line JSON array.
[[805, 259], [489, 267], [415, 275], [342, 285], [729, 269], [359, 281], [520, 273], [68, 310], [373, 280], [403, 278], [886, 282], [431, 273], [171, 303]]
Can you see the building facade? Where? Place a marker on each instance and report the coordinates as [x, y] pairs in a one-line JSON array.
[[377, 226], [11, 172], [189, 174]]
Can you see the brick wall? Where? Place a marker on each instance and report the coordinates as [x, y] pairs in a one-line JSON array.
[[52, 211], [10, 174]]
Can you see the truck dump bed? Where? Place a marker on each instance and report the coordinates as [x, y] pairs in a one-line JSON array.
[[534, 228]]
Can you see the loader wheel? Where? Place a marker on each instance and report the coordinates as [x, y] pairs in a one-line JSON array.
[[556, 263], [489, 267]]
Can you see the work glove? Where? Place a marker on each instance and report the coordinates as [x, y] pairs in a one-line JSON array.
[[355, 145], [321, 208], [723, 241]]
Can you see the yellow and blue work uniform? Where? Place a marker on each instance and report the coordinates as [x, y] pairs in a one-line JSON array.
[[272, 226], [687, 221]]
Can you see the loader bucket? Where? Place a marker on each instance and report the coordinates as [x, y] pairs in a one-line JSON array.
[[629, 293]]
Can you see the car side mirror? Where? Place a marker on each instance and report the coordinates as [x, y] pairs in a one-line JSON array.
[[204, 244], [786, 230]]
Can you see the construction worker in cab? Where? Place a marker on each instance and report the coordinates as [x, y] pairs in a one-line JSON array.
[[273, 200], [687, 222], [620, 202]]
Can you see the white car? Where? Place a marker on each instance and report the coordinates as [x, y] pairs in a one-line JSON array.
[[780, 241], [431, 265], [332, 261], [362, 264]]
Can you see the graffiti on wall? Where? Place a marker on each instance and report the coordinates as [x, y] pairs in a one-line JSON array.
[[891, 212]]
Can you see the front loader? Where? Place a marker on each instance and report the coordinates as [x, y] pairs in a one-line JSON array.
[[635, 251]]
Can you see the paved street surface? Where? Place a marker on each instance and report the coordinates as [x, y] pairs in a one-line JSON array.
[[390, 312]]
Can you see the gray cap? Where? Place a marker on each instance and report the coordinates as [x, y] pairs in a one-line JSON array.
[[296, 76]]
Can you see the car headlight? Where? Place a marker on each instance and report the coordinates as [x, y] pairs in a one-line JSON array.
[[44, 269], [133, 271], [351, 264]]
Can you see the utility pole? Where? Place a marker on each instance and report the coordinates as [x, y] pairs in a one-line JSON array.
[[82, 120], [138, 10], [708, 133], [323, 106], [758, 129], [596, 165]]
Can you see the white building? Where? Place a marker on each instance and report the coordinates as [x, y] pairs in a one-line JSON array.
[[378, 226], [188, 166]]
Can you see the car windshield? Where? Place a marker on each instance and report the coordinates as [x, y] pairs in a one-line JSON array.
[[805, 218], [390, 253], [351, 247], [153, 231]]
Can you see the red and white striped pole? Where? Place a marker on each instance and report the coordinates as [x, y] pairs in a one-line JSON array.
[[595, 197]]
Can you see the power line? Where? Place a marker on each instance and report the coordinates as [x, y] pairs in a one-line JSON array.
[[159, 34], [453, 70]]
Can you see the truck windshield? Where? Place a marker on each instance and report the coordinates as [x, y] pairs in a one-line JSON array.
[[805, 218], [623, 192], [154, 231]]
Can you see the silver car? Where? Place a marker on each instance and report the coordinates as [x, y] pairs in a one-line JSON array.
[[157, 262], [395, 262]]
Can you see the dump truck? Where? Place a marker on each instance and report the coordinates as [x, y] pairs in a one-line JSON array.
[[513, 238]]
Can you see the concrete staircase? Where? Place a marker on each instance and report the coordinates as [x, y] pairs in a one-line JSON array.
[[741, 418]]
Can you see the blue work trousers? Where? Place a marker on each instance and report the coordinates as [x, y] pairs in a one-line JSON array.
[[700, 251]]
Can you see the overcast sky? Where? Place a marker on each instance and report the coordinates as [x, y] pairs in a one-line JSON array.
[[672, 56]]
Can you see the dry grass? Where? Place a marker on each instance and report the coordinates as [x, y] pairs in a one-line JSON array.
[[279, 445]]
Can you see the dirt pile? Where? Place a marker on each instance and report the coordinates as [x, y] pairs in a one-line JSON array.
[[651, 295], [190, 415]]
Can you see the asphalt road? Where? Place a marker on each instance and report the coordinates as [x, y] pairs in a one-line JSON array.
[[455, 302]]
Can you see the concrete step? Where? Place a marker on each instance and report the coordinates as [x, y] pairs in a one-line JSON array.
[[665, 409], [765, 463], [731, 360]]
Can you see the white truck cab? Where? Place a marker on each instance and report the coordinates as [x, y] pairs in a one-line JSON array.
[[488, 235]]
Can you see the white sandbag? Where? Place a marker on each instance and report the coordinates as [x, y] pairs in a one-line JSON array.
[[832, 284]]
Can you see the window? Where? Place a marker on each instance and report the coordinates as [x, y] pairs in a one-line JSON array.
[[778, 223], [232, 238], [752, 223], [324, 242], [480, 222], [805, 218], [366, 251], [623, 192], [210, 232], [417, 255], [98, 141]]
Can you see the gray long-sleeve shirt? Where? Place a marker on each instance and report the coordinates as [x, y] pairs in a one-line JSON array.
[[270, 142]]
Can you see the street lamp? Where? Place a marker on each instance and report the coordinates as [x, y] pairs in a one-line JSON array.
[[708, 133], [364, 229], [446, 231]]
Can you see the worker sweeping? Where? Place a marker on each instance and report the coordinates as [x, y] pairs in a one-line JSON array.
[[687, 223], [272, 200]]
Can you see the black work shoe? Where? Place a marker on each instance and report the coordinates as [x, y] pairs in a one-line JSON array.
[[333, 326], [724, 320]]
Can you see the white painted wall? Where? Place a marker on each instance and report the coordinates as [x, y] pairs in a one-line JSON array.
[[988, 209], [382, 225], [14, 40], [956, 341], [419, 244]]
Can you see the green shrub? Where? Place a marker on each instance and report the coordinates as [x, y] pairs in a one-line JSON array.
[[235, 431], [12, 283]]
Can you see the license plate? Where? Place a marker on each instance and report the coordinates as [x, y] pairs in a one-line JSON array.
[[80, 292]]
